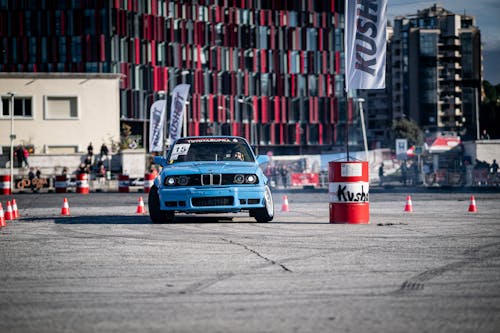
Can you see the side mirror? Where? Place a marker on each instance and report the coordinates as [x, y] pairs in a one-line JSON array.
[[262, 159], [160, 160]]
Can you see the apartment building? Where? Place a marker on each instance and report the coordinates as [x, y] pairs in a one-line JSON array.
[[437, 71]]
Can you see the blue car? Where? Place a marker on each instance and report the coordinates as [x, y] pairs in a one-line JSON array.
[[213, 174]]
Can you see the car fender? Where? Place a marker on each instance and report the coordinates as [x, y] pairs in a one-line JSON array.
[[157, 181]]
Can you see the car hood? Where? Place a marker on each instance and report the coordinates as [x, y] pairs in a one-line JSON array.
[[211, 167]]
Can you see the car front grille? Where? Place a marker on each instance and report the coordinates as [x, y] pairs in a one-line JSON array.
[[212, 201], [211, 179]]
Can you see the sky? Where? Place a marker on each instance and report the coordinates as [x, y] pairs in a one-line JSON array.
[[487, 14]]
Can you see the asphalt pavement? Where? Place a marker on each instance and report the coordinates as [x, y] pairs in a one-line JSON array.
[[105, 268]]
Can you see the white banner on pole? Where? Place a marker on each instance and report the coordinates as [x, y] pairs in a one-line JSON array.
[[401, 149], [179, 98], [156, 121], [365, 44]]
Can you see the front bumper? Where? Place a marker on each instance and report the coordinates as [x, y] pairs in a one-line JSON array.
[[213, 199]]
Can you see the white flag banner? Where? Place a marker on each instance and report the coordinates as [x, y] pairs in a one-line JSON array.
[[365, 44], [156, 121], [179, 98]]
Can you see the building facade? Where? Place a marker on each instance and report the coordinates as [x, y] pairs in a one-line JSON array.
[[271, 71], [437, 71], [57, 113]]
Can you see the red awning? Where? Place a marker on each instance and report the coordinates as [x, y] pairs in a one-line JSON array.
[[443, 144]]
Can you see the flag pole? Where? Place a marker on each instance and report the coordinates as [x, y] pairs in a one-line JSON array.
[[165, 127], [347, 124], [363, 127]]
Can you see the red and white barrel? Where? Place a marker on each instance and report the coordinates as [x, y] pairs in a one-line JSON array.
[[123, 184], [82, 183], [149, 179], [348, 185], [5, 184], [61, 184]]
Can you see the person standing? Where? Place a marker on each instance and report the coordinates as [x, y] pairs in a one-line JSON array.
[[404, 173], [19, 156], [494, 167], [25, 157], [31, 176], [381, 173], [104, 151], [90, 149], [101, 172], [283, 170]]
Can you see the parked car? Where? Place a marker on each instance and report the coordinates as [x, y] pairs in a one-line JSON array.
[[137, 182], [210, 175]]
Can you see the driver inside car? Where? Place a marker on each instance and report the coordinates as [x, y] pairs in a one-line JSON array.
[[238, 156]]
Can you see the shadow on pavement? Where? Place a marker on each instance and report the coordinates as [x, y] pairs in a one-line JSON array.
[[140, 219], [103, 219], [144, 219]]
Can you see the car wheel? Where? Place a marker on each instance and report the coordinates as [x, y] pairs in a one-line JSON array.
[[266, 213], [155, 213]]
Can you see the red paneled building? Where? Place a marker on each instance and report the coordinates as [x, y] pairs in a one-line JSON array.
[[268, 70]]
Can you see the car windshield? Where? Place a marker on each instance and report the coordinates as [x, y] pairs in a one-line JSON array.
[[210, 149]]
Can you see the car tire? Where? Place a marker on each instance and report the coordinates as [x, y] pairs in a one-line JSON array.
[[155, 213], [266, 213]]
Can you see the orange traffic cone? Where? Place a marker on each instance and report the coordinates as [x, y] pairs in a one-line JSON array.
[[140, 207], [409, 205], [472, 205], [284, 207], [2, 217], [15, 211], [8, 212], [65, 207]]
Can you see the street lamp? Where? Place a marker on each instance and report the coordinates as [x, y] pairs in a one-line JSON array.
[[174, 78], [242, 101], [228, 117], [12, 137]]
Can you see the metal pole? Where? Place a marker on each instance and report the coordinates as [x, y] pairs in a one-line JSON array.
[[347, 127], [185, 120], [145, 120], [228, 118], [362, 115], [478, 130], [144, 116], [242, 101], [12, 137], [165, 128]]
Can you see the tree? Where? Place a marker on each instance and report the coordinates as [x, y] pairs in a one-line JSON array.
[[489, 116], [407, 129]]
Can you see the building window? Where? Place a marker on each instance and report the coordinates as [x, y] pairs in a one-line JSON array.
[[61, 107], [22, 107]]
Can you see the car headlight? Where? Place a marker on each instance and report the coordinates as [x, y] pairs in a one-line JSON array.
[[251, 179], [182, 180], [170, 181], [239, 179]]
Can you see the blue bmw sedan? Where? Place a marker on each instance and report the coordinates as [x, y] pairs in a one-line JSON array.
[[213, 174]]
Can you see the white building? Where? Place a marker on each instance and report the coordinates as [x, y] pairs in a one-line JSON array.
[[60, 113]]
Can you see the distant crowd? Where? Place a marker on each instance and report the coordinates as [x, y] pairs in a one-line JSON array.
[[94, 164]]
